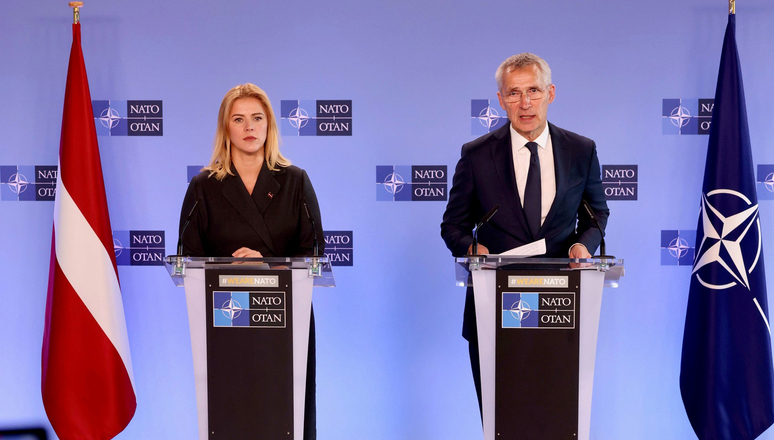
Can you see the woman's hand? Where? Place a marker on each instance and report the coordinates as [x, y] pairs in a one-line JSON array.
[[244, 252]]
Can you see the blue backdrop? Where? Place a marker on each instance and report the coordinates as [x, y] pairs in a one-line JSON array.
[[391, 361]]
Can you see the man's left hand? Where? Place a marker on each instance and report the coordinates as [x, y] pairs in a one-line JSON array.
[[578, 250]]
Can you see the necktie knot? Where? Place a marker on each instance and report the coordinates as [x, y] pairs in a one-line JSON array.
[[532, 146]]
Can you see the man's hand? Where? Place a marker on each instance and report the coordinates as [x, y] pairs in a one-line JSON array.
[[244, 252], [578, 250], [482, 250]]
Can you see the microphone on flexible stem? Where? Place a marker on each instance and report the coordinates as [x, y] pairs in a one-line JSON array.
[[483, 221], [314, 268], [595, 221], [179, 266]]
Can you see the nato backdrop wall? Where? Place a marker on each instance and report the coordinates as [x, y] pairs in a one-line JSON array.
[[409, 82]]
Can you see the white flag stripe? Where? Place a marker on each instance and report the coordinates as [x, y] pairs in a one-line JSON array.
[[95, 282]]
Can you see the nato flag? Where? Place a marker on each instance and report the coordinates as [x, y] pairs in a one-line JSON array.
[[726, 373]]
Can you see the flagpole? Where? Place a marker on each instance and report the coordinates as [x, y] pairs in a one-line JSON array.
[[77, 12], [731, 7]]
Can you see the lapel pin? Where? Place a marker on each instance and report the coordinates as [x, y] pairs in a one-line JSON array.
[[271, 196]]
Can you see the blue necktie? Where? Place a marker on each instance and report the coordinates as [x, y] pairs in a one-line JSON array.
[[532, 198]]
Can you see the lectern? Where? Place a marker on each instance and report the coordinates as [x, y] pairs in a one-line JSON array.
[[537, 322], [249, 320]]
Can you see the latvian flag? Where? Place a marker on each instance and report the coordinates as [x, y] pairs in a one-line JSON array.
[[87, 380]]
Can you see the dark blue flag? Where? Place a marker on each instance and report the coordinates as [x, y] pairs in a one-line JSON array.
[[726, 377]]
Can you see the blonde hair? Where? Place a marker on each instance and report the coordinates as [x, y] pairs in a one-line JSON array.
[[220, 163]]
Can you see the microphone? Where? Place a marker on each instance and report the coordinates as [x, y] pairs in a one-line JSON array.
[[595, 221], [314, 228], [179, 266], [185, 225], [483, 221], [315, 270]]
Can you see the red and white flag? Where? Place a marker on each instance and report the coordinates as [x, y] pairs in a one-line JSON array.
[[87, 381]]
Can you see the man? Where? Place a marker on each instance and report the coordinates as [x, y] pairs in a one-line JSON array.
[[537, 172]]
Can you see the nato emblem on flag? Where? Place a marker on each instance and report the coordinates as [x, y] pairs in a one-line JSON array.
[[726, 376], [765, 182], [484, 117]]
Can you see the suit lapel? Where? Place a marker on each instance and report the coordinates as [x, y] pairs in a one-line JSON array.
[[502, 156], [252, 208], [562, 162]]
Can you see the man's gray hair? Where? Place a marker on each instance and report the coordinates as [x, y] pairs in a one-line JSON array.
[[520, 61]]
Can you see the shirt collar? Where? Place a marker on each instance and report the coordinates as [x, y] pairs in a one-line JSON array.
[[519, 141]]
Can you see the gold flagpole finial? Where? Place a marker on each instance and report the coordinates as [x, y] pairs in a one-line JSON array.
[[732, 7], [77, 12]]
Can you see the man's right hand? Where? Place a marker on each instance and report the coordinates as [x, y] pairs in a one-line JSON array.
[[482, 250]]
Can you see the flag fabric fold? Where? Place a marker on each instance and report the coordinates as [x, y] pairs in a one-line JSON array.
[[87, 381], [726, 377]]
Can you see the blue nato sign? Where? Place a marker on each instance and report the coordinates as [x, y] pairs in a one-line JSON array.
[[128, 118], [619, 182], [411, 183], [677, 247], [765, 182], [338, 247], [27, 182], [538, 310], [249, 309], [485, 116], [686, 116], [316, 118], [139, 248]]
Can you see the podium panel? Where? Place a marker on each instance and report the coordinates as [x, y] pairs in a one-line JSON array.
[[537, 322], [537, 354], [249, 353], [249, 321]]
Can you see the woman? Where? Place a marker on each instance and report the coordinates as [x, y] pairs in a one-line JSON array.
[[251, 202], [251, 199]]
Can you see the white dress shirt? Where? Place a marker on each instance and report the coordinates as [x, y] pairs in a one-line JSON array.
[[521, 157]]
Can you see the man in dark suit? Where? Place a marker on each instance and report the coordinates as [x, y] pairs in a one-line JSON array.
[[537, 172]]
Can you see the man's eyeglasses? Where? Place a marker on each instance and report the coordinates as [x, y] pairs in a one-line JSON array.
[[533, 94]]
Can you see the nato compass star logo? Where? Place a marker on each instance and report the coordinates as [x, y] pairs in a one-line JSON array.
[[394, 183], [686, 116], [484, 117], [768, 183], [18, 183], [488, 117], [680, 116], [118, 248], [731, 240], [109, 118], [298, 118], [677, 247], [765, 181], [231, 309], [520, 310]]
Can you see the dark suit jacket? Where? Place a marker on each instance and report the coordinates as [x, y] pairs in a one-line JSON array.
[[272, 220], [484, 177]]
